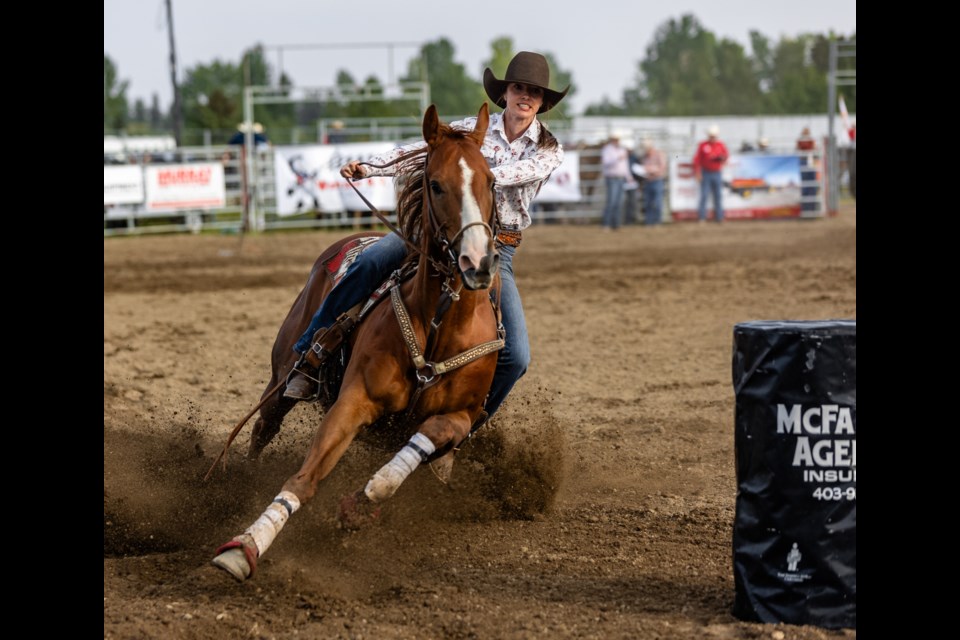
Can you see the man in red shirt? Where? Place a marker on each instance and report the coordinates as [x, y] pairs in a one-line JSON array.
[[708, 164]]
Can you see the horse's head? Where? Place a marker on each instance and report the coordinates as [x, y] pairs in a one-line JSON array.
[[458, 188]]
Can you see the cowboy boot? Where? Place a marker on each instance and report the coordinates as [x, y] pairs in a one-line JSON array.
[[302, 384]]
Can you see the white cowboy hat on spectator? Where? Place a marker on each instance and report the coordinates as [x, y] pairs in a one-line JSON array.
[[713, 131]]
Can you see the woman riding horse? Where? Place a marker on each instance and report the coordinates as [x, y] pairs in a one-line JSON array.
[[522, 154], [431, 353]]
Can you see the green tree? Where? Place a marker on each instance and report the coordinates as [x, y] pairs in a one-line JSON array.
[[688, 71], [452, 89], [213, 99], [501, 52], [156, 113], [797, 86], [114, 98]]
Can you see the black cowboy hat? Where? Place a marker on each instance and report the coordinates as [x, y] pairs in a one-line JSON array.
[[528, 68]]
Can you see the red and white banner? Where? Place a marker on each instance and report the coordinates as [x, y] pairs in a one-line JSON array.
[[307, 178], [185, 186], [122, 185]]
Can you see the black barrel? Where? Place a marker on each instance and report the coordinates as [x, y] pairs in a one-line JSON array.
[[795, 529]]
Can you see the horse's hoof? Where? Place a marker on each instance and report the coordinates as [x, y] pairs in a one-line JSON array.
[[357, 511], [237, 559], [442, 467]]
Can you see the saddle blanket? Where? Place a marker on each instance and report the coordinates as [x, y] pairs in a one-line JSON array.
[[337, 265]]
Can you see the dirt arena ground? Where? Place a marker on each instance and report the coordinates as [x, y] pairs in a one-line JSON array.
[[599, 503]]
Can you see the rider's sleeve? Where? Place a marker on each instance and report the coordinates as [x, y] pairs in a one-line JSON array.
[[391, 156], [536, 168]]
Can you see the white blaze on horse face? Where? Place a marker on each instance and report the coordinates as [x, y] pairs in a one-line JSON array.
[[473, 245]]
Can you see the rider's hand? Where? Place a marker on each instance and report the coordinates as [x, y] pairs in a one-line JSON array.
[[353, 170]]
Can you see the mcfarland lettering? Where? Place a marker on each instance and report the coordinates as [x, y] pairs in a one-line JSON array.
[[815, 421], [823, 420]]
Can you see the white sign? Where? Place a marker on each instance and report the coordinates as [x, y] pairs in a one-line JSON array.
[[564, 182], [122, 185], [308, 179], [185, 186], [755, 185]]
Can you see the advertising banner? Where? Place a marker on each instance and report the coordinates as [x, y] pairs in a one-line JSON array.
[[754, 186], [307, 178], [185, 186], [122, 184]]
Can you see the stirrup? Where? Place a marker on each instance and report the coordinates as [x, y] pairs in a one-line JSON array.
[[303, 370]]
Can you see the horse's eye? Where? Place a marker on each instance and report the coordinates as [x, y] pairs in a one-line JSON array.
[[435, 187]]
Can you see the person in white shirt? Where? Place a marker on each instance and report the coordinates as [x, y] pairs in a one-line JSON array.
[[615, 161], [522, 154]]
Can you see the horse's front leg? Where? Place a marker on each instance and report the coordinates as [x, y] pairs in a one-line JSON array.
[[437, 435], [352, 411]]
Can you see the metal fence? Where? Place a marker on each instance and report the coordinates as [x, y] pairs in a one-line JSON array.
[[252, 204]]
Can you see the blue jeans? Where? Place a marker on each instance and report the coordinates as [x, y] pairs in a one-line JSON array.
[[367, 273], [381, 259], [712, 183], [630, 206], [653, 201], [611, 212]]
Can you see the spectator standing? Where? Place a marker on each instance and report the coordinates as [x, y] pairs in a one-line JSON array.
[[708, 165], [806, 142], [337, 135], [613, 158], [631, 190], [654, 170]]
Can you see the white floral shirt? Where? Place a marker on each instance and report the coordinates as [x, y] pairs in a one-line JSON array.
[[519, 168]]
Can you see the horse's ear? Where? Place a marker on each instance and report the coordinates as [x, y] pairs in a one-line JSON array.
[[483, 121], [431, 126]]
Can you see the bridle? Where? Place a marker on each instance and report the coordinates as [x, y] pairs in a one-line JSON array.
[[438, 228]]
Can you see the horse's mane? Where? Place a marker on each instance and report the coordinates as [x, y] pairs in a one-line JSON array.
[[410, 201]]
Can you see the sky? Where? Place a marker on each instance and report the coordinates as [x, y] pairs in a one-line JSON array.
[[600, 41]]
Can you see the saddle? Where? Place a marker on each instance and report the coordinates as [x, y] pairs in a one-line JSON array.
[[330, 347]]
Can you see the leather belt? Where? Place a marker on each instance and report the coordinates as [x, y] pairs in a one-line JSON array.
[[510, 238]]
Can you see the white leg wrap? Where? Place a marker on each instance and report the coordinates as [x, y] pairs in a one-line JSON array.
[[385, 482], [269, 524]]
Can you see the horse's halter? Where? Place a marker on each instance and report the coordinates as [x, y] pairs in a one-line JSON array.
[[447, 245]]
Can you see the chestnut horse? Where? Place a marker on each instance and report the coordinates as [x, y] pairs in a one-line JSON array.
[[398, 363]]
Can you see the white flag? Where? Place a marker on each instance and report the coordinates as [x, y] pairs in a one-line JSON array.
[[845, 117]]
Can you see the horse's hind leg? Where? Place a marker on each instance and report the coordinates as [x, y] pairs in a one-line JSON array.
[[268, 423]]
